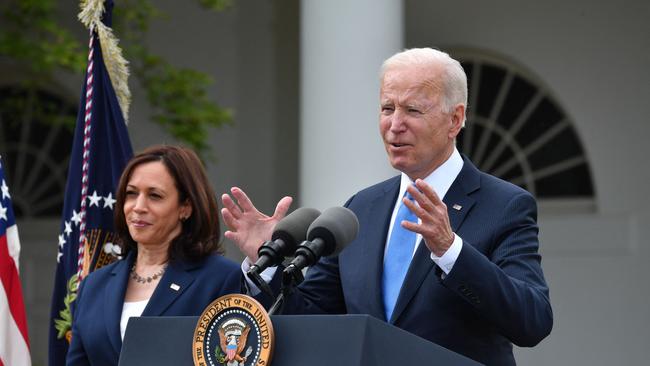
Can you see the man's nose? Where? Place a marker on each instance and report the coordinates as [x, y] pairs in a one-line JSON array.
[[398, 122]]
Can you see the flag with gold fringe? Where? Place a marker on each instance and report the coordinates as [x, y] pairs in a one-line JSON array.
[[100, 150]]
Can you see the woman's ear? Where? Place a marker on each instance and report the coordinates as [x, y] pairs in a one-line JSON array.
[[186, 210]]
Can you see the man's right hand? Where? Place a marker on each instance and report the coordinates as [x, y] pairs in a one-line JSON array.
[[248, 227]]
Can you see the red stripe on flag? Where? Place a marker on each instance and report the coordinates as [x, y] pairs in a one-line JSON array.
[[11, 283]]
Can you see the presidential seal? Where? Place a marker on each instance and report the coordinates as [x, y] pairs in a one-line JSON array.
[[234, 330]]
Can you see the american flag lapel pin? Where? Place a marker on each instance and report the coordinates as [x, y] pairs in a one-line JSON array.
[[457, 207], [174, 287]]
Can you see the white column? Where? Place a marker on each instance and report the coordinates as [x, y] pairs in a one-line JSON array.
[[343, 43]]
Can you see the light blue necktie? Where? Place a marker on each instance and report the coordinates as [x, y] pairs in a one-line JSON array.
[[398, 257]]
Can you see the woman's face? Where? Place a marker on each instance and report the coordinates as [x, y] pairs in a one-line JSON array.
[[151, 207]]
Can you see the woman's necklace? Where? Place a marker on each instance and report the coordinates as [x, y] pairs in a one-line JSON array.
[[139, 279]]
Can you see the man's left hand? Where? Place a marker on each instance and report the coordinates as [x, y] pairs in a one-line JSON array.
[[434, 221]]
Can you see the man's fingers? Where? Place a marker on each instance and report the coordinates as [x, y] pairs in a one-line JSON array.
[[428, 192], [230, 235], [243, 200], [282, 207], [228, 219], [231, 206], [414, 207], [426, 197], [412, 226], [419, 197]]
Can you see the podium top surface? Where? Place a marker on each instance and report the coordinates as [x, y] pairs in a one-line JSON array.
[[313, 340]]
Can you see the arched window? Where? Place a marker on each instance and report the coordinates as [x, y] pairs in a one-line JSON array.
[[35, 142], [518, 131]]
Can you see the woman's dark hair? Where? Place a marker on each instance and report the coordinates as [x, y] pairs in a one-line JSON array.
[[200, 232]]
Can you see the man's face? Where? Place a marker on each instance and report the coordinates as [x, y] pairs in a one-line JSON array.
[[418, 134]]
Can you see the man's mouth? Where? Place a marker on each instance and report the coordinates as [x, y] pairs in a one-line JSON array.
[[395, 144]]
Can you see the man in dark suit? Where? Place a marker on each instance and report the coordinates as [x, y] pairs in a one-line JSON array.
[[462, 271]]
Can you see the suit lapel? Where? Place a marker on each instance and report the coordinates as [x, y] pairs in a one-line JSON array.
[[114, 300], [458, 199], [458, 204], [175, 281], [380, 211]]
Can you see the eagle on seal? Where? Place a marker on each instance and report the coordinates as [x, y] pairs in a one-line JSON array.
[[233, 336]]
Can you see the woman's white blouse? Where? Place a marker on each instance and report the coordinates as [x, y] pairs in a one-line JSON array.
[[130, 309]]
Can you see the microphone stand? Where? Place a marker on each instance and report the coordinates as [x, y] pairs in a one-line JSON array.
[[255, 277], [291, 277]]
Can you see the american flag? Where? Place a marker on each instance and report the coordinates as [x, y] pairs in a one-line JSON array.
[[100, 150], [14, 342]]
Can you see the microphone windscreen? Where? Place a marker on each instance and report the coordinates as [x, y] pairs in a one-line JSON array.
[[292, 229], [337, 226]]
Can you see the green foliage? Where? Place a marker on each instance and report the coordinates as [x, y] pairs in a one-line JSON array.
[[32, 38], [36, 44], [219, 355], [216, 5], [64, 323], [182, 105], [178, 95]]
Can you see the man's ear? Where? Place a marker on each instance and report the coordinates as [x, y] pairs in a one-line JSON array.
[[457, 120]]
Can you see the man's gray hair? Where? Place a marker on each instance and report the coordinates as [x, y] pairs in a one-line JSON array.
[[454, 81]]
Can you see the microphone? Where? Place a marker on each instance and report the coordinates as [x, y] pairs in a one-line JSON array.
[[327, 235], [288, 232]]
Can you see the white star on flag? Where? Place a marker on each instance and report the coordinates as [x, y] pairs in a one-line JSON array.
[[61, 240], [76, 217], [68, 228], [3, 212], [5, 190], [94, 199], [109, 201]]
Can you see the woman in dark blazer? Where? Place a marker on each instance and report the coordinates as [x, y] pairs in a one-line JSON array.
[[167, 223]]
